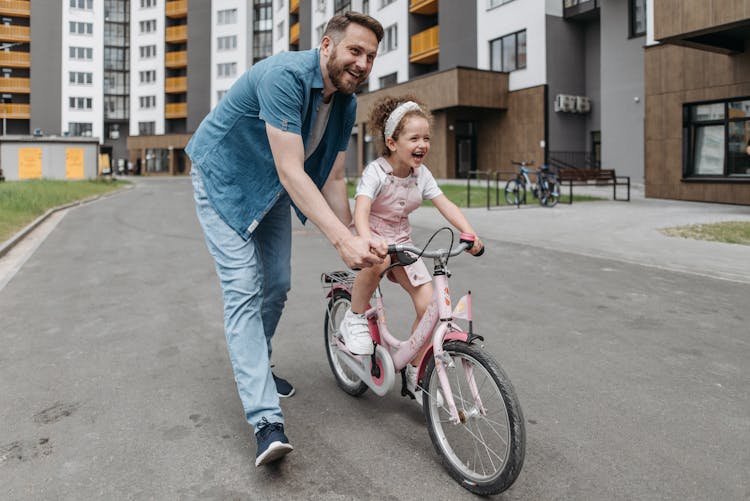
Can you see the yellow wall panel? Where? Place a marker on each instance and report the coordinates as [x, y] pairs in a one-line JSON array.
[[29, 163], [74, 163]]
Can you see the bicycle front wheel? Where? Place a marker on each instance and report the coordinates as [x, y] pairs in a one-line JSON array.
[[514, 192], [345, 377], [484, 452], [551, 192]]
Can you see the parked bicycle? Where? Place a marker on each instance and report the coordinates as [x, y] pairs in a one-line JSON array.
[[473, 416], [546, 189]]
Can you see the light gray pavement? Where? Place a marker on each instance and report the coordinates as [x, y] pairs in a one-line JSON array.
[[115, 381]]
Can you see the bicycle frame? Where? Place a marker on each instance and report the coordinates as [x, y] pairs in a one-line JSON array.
[[437, 321]]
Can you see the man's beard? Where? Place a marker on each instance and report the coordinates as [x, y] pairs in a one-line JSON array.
[[336, 74]]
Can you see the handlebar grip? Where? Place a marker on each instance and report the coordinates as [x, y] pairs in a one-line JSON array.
[[480, 252], [391, 249]]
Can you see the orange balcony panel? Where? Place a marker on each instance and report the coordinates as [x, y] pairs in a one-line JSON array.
[[15, 59], [15, 33], [175, 110], [16, 8], [15, 85], [425, 7], [176, 9], [176, 85], [294, 34], [16, 111], [425, 46], [177, 59], [294, 6], [176, 34]]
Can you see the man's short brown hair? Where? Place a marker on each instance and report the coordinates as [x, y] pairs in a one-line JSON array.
[[337, 25]]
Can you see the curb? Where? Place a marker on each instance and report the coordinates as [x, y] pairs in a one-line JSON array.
[[6, 246]]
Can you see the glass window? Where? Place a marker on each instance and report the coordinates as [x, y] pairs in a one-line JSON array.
[[637, 17], [388, 80], [79, 128], [718, 135], [341, 6], [226, 16], [390, 39], [508, 53], [146, 128]]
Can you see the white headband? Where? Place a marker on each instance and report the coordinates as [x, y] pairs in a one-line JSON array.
[[396, 115]]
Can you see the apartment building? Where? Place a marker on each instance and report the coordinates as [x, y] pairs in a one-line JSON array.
[[15, 61], [697, 86]]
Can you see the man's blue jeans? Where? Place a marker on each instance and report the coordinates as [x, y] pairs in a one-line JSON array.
[[255, 276]]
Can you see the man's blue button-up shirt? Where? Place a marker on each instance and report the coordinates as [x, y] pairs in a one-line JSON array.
[[231, 149]]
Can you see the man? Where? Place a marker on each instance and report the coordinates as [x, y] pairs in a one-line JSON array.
[[280, 133]]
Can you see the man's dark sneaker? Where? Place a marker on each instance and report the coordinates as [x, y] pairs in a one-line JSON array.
[[283, 387], [272, 443]]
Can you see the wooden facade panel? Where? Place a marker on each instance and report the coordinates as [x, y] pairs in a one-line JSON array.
[[673, 18], [727, 11]]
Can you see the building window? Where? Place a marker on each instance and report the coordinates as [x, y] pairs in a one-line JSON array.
[[226, 16], [390, 39], [148, 26], [226, 69], [81, 28], [508, 53], [341, 6], [366, 7], [147, 102], [320, 5], [147, 51], [148, 76], [227, 43], [389, 80], [383, 3], [80, 103], [220, 94], [80, 78], [146, 4], [637, 17], [79, 129], [146, 128], [491, 4], [717, 136], [82, 4], [262, 29], [82, 53]]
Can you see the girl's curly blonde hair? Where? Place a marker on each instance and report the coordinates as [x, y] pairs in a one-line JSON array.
[[380, 112]]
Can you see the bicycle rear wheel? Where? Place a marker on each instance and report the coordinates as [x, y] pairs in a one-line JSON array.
[[551, 192], [514, 192], [484, 452], [345, 377]]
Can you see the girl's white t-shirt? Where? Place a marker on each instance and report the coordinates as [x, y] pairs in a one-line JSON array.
[[374, 177]]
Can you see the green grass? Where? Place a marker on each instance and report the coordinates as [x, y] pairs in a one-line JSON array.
[[730, 232], [23, 201], [457, 194]]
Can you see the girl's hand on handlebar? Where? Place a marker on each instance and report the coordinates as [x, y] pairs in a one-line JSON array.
[[478, 248]]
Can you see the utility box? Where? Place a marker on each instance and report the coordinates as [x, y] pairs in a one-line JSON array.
[[583, 104], [33, 157], [565, 103]]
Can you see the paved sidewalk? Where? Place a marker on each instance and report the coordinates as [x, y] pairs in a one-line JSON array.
[[626, 231]]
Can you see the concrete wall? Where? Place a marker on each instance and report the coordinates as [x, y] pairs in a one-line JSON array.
[[46, 67], [458, 34], [199, 53], [622, 93], [53, 157]]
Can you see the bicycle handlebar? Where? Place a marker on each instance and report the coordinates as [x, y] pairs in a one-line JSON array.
[[439, 253]]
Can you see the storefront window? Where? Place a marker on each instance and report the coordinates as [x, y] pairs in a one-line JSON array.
[[718, 136]]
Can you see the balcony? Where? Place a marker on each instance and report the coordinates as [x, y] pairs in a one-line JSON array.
[[177, 59], [581, 9], [425, 46], [294, 34], [15, 33], [15, 8], [176, 85], [294, 6], [176, 9], [175, 110], [15, 111], [424, 7], [176, 34], [15, 59], [15, 85]]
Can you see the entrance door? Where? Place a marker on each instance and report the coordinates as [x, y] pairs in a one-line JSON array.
[[465, 149], [596, 149]]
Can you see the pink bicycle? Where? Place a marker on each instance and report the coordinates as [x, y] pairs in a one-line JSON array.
[[473, 416]]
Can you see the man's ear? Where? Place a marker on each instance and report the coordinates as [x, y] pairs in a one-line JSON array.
[[326, 44]]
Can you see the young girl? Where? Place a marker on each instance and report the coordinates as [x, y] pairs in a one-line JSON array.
[[390, 189]]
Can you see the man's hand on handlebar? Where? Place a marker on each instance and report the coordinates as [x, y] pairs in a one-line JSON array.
[[359, 252]]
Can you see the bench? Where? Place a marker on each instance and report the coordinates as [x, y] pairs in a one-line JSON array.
[[584, 177]]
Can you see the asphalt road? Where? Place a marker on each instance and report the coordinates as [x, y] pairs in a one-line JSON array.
[[115, 381]]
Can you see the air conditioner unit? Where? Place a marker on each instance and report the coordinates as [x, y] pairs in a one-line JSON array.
[[583, 104], [565, 103]]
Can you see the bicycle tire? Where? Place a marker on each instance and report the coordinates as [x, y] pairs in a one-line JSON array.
[[500, 432], [551, 191], [345, 378], [514, 192]]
